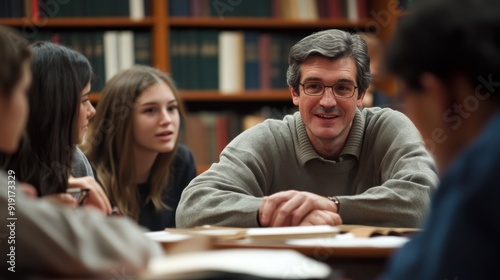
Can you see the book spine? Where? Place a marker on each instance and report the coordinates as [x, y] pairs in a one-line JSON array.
[[179, 8], [265, 61], [126, 58], [252, 77], [35, 10], [111, 63], [142, 48], [231, 65], [136, 9], [209, 60]]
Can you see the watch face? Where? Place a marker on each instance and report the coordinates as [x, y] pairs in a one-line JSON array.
[[336, 201]]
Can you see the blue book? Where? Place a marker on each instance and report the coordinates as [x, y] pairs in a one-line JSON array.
[[252, 77], [179, 8]]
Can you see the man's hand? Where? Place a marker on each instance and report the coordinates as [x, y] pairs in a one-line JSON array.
[[97, 198], [289, 208], [321, 217]]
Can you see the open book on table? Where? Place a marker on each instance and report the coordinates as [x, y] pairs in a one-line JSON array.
[[284, 233]]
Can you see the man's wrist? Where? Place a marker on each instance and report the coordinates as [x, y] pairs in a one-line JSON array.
[[335, 201]]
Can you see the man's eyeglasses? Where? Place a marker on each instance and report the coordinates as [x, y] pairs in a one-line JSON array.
[[342, 89]]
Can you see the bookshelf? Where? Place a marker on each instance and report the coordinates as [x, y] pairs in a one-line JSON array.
[[380, 19], [78, 22], [263, 23]]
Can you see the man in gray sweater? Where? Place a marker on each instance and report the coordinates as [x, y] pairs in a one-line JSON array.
[[329, 163]]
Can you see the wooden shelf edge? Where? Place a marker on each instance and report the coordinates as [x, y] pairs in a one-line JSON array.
[[83, 22], [214, 95], [263, 23], [256, 95]]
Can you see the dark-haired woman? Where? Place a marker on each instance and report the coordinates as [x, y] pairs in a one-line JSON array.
[[59, 116]]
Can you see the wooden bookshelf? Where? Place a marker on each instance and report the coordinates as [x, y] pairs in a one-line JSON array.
[[121, 22], [382, 15], [159, 24], [263, 23], [216, 96], [256, 95]]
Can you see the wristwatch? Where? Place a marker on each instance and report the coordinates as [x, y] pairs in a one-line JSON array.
[[336, 201]]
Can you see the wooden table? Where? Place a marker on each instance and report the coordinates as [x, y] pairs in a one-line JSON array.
[[354, 262]]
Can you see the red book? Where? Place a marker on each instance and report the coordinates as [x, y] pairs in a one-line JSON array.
[[196, 8], [322, 6], [334, 8], [362, 9], [222, 132], [277, 11], [35, 10]]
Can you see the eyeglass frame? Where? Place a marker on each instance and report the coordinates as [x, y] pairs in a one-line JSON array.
[[325, 86]]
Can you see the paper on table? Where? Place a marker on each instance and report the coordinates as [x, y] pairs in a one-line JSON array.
[[349, 240], [175, 243], [281, 233], [163, 236], [278, 264], [217, 232]]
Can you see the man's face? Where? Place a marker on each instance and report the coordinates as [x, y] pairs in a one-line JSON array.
[[327, 118]]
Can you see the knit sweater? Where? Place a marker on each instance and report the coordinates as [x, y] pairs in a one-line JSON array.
[[383, 177], [55, 240], [80, 166]]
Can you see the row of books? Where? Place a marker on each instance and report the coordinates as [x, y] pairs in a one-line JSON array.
[[108, 52], [230, 61], [288, 9], [207, 133], [35, 9]]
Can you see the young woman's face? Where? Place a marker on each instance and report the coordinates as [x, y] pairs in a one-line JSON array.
[[14, 113], [87, 111], [156, 120]]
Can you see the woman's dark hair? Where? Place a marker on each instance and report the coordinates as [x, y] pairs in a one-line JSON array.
[[44, 158], [446, 39], [14, 51]]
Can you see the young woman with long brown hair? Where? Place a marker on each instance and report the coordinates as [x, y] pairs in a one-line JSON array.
[[133, 146]]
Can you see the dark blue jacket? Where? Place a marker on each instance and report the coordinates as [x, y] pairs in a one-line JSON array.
[[461, 237]]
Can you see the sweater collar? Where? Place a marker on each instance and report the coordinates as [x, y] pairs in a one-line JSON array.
[[306, 152]]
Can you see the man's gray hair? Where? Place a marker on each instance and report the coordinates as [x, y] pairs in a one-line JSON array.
[[332, 44]]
